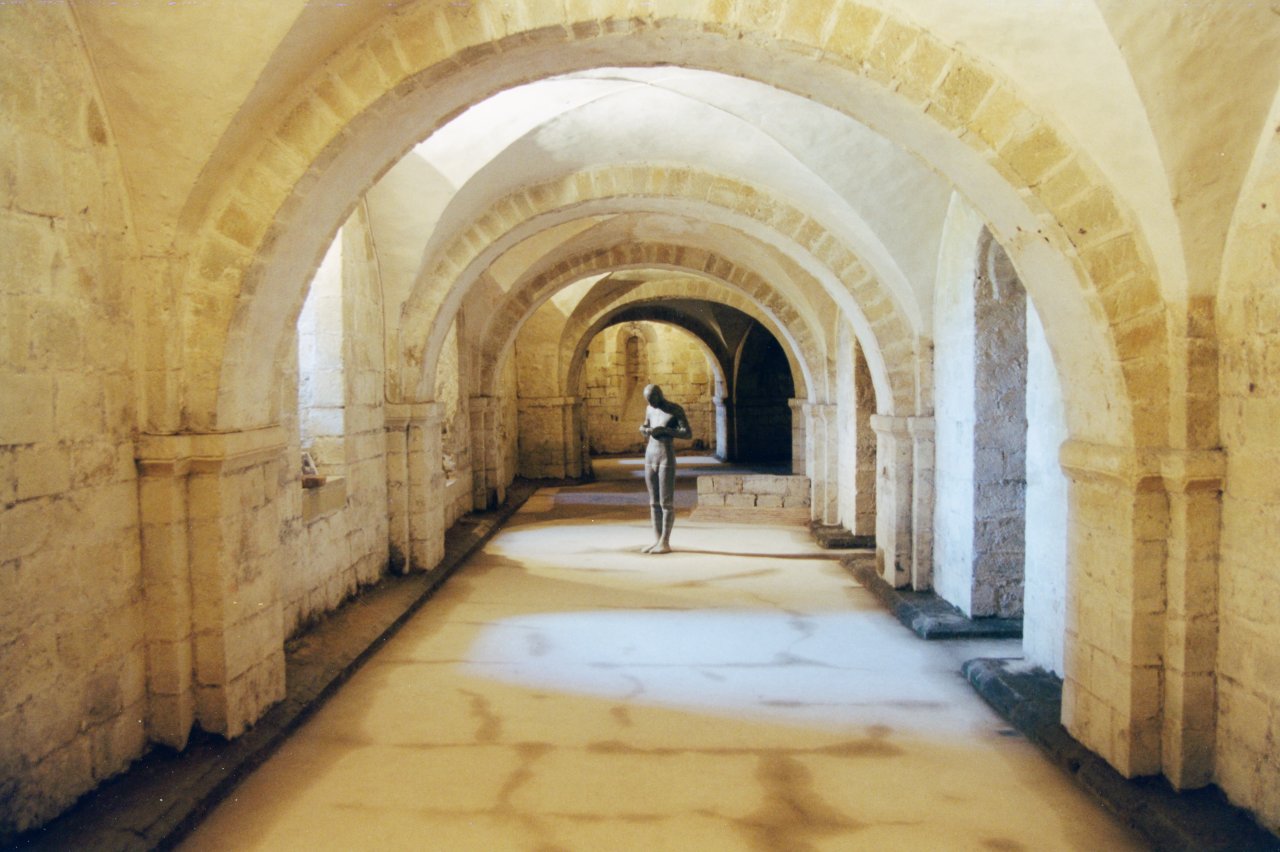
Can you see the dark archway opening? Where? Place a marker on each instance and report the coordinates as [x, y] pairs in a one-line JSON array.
[[762, 394]]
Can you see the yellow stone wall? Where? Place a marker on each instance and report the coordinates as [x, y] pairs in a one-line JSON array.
[[615, 406], [1248, 648], [73, 679]]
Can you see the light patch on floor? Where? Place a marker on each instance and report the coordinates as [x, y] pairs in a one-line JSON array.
[[565, 691]]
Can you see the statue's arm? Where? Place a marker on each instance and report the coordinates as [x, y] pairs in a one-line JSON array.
[[680, 427]]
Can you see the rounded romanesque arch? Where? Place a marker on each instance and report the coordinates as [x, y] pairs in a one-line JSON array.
[[500, 333], [591, 317], [1043, 198], [873, 310]]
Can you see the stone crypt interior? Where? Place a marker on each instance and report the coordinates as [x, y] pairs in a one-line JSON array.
[[992, 287]]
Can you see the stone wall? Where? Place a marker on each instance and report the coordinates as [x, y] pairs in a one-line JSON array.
[[72, 655], [1248, 683], [621, 360], [336, 535]]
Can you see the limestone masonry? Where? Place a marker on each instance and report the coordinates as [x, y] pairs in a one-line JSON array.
[[967, 278]]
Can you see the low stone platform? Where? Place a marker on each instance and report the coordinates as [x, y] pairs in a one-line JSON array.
[[753, 498], [166, 793], [924, 613], [1200, 820]]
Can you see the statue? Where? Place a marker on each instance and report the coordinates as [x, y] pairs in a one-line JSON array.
[[664, 421]]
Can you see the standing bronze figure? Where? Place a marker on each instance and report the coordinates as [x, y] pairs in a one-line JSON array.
[[664, 421]]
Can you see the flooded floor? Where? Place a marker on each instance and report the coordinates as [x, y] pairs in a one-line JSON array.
[[565, 691]]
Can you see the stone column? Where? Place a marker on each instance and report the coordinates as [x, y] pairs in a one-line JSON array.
[[164, 463], [1112, 693], [822, 453], [894, 452], [425, 463], [921, 430], [1194, 482], [723, 420], [216, 641], [864, 524], [397, 431], [551, 437], [799, 438], [486, 491], [415, 485]]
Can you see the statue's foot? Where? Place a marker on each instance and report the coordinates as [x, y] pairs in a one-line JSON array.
[[648, 549], [660, 547]]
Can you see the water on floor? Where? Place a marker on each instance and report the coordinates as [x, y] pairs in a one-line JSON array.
[[565, 691]]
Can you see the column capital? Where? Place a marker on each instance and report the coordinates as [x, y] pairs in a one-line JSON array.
[[1179, 470], [209, 452], [884, 424], [921, 427], [401, 415]]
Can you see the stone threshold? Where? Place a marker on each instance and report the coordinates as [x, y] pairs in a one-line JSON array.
[[165, 793], [1030, 699], [924, 613]]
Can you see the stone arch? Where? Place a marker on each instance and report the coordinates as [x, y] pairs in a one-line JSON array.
[[803, 352], [870, 307], [641, 327], [246, 234], [507, 320], [704, 337]]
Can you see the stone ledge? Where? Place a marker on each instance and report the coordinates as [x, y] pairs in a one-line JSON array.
[[924, 613], [1200, 820], [750, 515], [836, 537], [165, 794]]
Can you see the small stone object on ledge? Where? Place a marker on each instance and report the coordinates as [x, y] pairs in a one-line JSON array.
[[311, 477]]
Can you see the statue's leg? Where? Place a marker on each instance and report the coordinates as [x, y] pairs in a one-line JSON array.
[[667, 499], [651, 481]]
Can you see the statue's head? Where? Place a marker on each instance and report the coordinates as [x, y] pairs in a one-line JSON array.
[[653, 395]]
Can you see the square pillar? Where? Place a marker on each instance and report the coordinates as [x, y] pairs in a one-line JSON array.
[[487, 492], [1112, 695], [822, 460], [894, 453], [799, 438], [425, 465], [552, 444], [397, 436], [723, 418], [215, 632], [164, 464], [1194, 482], [921, 430]]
